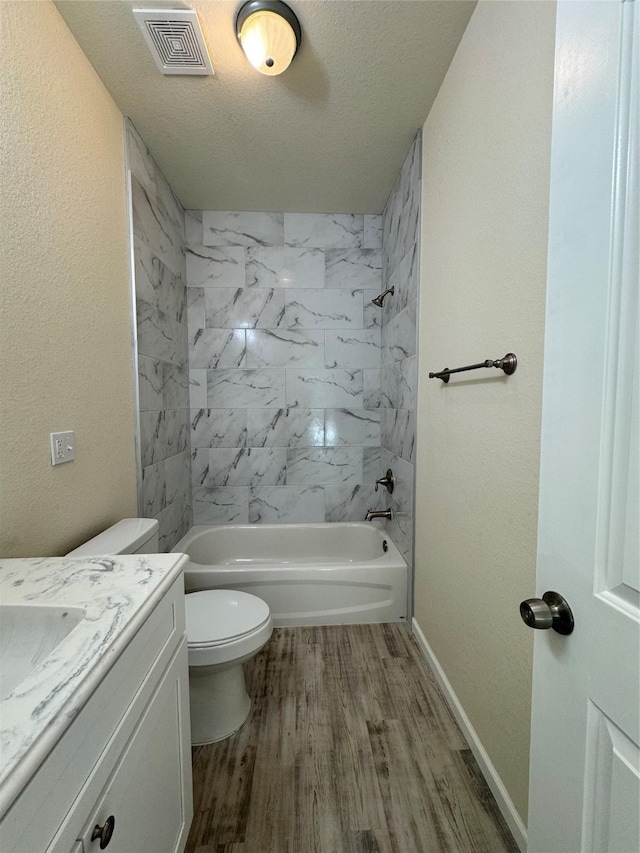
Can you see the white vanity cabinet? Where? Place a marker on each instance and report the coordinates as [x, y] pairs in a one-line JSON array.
[[124, 760], [144, 794]]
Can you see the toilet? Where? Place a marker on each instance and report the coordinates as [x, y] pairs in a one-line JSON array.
[[225, 628]]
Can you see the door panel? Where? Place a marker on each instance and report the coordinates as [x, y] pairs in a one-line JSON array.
[[584, 782], [612, 789]]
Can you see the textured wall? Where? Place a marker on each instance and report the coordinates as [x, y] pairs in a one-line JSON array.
[[284, 349], [162, 348], [400, 253], [483, 261], [65, 335]]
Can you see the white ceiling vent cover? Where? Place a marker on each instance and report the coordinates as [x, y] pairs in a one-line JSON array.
[[175, 39]]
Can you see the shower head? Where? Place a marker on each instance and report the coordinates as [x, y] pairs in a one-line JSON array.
[[379, 300]]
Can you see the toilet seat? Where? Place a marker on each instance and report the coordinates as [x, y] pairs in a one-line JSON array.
[[224, 625]]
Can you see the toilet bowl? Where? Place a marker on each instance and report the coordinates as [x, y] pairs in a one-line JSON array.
[[225, 628]]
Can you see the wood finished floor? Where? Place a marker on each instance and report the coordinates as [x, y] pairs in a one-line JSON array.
[[350, 748]]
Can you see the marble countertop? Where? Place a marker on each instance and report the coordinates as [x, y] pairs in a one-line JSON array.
[[117, 594]]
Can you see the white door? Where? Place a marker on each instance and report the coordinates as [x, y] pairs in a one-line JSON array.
[[585, 789]]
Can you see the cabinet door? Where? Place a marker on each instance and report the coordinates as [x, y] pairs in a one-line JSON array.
[[149, 791]]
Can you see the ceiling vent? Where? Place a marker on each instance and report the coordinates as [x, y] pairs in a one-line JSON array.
[[175, 39]]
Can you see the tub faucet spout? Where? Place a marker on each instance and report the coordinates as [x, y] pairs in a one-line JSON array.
[[381, 513]]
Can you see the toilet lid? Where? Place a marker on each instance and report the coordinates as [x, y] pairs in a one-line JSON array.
[[220, 615]]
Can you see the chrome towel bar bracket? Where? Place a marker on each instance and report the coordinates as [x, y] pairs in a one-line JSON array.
[[508, 363]]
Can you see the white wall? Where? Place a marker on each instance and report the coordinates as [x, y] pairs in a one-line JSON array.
[[483, 261], [64, 301]]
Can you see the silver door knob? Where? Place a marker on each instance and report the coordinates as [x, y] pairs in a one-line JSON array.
[[550, 611]]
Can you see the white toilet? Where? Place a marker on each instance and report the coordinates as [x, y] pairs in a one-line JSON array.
[[224, 628]]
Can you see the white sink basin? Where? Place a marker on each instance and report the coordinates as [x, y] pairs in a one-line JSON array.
[[28, 635]]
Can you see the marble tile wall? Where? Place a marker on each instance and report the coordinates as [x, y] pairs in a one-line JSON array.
[[285, 363], [400, 256], [162, 346]]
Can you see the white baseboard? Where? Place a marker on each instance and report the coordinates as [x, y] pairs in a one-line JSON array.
[[490, 773]]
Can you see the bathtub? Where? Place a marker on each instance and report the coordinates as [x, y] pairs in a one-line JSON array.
[[309, 574]]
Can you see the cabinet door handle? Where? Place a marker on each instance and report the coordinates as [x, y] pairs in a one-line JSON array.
[[104, 832]]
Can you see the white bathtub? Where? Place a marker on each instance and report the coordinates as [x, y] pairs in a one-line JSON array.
[[309, 574]]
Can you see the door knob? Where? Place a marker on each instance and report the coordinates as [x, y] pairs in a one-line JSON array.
[[550, 611]]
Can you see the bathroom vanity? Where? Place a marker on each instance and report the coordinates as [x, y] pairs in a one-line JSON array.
[[94, 718]]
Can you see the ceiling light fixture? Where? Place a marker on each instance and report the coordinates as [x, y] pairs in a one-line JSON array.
[[269, 33]]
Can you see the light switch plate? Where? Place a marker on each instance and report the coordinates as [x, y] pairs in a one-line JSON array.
[[63, 447]]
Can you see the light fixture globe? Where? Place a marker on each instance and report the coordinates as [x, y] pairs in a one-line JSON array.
[[269, 33]]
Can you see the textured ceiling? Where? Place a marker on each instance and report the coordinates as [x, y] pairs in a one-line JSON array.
[[328, 135]]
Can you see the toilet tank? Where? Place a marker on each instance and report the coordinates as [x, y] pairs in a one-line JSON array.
[[129, 536]]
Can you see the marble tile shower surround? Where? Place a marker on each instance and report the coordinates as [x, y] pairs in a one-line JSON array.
[[398, 375], [162, 345], [270, 388], [285, 357]]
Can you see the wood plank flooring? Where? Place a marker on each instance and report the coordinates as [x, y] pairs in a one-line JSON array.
[[350, 748]]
